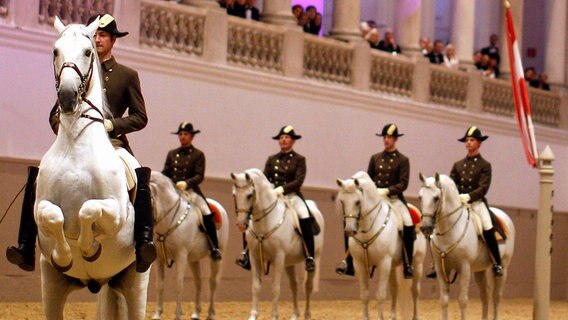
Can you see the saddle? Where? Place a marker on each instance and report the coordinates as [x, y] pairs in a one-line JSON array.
[[415, 215], [217, 218]]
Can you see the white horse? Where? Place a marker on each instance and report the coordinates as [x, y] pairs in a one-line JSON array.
[[375, 242], [272, 238], [84, 216], [457, 245], [179, 240]]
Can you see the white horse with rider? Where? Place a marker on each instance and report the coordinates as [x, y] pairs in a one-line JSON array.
[[180, 241], [274, 239], [83, 212], [458, 246], [375, 243]]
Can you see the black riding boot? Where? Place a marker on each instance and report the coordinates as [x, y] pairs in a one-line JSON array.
[[489, 236], [408, 235], [346, 266], [244, 261], [143, 223], [24, 255], [308, 235], [209, 225]]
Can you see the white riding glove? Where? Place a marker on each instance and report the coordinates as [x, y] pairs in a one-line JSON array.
[[108, 125], [181, 185], [383, 192], [464, 198], [279, 191]]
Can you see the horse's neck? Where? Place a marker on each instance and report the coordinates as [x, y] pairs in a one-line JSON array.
[[265, 205], [450, 211], [371, 208]]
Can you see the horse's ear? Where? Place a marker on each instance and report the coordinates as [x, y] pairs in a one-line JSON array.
[[339, 182], [437, 177], [356, 182], [233, 176], [247, 176], [59, 26], [421, 176], [93, 27]]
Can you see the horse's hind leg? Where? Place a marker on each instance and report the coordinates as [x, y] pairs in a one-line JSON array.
[[310, 279], [393, 284], [482, 284], [105, 213], [498, 292], [291, 272], [55, 288], [159, 267], [50, 219], [134, 287], [196, 271]]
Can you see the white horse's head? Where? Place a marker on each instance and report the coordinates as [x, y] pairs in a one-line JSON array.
[[437, 194], [250, 188], [356, 195], [164, 195], [74, 59]]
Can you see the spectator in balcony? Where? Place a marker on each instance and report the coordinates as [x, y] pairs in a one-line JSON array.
[[236, 8], [315, 27], [450, 58], [492, 50], [437, 54], [373, 38], [372, 24], [388, 43], [364, 28], [484, 63], [425, 46], [530, 76], [477, 60], [492, 69], [298, 11], [252, 12], [312, 25], [541, 82], [303, 21]]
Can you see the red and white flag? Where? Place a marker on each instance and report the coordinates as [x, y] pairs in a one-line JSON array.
[[520, 92]]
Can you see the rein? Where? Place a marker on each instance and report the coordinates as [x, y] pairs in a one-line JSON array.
[[162, 237]]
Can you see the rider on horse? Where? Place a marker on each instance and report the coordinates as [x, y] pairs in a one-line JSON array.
[[472, 176], [390, 170], [286, 170], [123, 92], [185, 166]]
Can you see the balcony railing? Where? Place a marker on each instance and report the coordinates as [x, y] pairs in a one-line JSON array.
[[210, 35]]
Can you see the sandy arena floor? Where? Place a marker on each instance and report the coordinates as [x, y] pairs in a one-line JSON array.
[[513, 309]]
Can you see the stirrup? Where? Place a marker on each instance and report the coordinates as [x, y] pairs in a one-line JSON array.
[[243, 261], [407, 271], [216, 254], [498, 270], [344, 268], [310, 264]]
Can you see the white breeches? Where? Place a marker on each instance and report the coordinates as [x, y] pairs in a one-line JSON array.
[[298, 205], [481, 209], [402, 210], [130, 164]]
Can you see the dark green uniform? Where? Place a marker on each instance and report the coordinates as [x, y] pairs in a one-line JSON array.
[[186, 164], [472, 175], [286, 170], [123, 92], [390, 170]]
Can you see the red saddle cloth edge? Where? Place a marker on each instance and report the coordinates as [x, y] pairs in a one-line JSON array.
[[415, 214], [216, 215]]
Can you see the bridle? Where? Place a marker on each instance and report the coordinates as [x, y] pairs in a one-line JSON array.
[[358, 217], [83, 86], [264, 212]]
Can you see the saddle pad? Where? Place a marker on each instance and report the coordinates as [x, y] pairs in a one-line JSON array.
[[217, 218], [130, 164], [415, 214]]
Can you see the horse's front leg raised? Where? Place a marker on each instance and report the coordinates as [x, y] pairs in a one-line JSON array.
[[291, 272], [106, 214], [50, 219]]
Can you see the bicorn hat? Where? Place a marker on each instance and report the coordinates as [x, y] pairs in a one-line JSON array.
[[390, 130], [288, 130], [187, 127], [108, 24], [473, 132]]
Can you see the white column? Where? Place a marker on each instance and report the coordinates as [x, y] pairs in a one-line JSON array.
[[408, 22], [555, 41], [278, 12], [428, 19], [463, 28], [517, 14], [346, 18]]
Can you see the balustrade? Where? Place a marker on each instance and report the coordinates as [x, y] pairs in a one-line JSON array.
[[391, 74], [327, 59]]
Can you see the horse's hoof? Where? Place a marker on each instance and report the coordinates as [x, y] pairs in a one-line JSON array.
[[95, 256], [59, 268]]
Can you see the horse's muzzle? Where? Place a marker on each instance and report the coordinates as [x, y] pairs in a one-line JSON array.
[[242, 226], [427, 230], [67, 99]]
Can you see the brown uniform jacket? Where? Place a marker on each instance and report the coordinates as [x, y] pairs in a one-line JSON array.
[[123, 92], [286, 170], [186, 164], [390, 170], [472, 175]]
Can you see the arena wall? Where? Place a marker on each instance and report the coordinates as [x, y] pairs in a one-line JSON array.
[[238, 110]]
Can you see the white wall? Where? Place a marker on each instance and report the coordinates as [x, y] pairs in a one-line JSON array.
[[239, 110]]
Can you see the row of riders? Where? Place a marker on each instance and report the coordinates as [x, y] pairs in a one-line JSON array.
[[286, 171]]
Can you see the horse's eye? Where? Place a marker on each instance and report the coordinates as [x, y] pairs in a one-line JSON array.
[[55, 52], [88, 53], [436, 199], [249, 196], [358, 203]]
